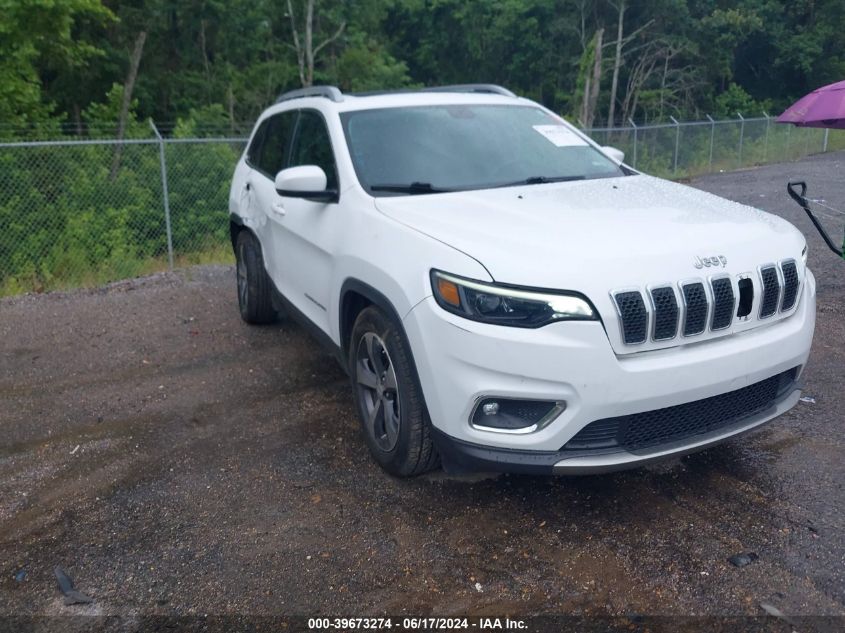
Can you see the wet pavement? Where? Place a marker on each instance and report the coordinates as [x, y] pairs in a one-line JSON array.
[[173, 460]]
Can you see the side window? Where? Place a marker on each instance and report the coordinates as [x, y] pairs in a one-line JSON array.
[[272, 156], [255, 146], [313, 146]]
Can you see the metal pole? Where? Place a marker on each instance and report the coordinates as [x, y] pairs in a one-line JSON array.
[[824, 147], [766, 146], [741, 135], [634, 125], [677, 142], [164, 193], [788, 134], [712, 132]]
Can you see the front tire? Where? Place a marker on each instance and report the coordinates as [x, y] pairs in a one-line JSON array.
[[388, 398], [255, 294]]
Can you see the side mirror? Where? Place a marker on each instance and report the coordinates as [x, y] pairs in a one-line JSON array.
[[615, 154], [305, 181]]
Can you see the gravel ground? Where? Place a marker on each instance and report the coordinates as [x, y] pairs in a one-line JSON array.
[[176, 461]]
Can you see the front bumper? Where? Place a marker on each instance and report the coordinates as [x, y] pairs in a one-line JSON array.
[[460, 361], [463, 456]]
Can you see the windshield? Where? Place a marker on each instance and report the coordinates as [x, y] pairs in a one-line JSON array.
[[432, 149]]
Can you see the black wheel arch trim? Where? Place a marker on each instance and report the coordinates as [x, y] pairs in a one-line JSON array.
[[370, 294], [236, 225], [236, 221], [378, 299]]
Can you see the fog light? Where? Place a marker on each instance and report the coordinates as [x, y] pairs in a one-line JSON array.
[[507, 415], [490, 408]]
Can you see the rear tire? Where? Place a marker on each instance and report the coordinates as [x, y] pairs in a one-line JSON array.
[[255, 290], [388, 397]]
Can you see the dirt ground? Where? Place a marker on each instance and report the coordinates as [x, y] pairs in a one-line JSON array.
[[176, 461]]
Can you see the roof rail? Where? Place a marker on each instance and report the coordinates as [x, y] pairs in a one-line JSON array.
[[329, 92], [488, 88]]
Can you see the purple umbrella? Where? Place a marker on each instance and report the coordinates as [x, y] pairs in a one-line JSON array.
[[824, 107]]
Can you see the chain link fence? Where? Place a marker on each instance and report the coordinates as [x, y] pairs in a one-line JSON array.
[[682, 150], [85, 212]]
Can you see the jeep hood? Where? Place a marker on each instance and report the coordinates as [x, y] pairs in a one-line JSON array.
[[597, 235]]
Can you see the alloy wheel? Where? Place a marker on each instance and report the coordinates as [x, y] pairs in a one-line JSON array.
[[377, 387]]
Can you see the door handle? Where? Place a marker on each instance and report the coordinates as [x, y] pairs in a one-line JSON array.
[[278, 207]]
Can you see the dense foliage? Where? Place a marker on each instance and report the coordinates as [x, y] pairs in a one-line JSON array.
[[665, 57], [86, 214]]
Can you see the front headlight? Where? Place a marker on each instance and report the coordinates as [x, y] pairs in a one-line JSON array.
[[507, 305]]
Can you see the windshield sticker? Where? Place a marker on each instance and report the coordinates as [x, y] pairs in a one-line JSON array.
[[560, 135]]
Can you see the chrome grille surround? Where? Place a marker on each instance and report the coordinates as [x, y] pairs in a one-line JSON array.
[[694, 297], [717, 288], [659, 318], [791, 284], [625, 301], [770, 282]]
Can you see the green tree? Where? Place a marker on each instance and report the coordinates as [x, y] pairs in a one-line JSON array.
[[38, 44]]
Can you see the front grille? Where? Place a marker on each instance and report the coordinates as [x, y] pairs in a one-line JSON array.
[[723, 303], [696, 306], [665, 313], [634, 316], [684, 421], [790, 284], [771, 291], [695, 300], [596, 435]]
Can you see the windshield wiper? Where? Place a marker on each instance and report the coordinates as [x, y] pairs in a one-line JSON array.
[[412, 188], [416, 187], [541, 180]]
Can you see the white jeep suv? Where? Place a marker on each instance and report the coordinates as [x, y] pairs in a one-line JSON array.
[[507, 295]]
